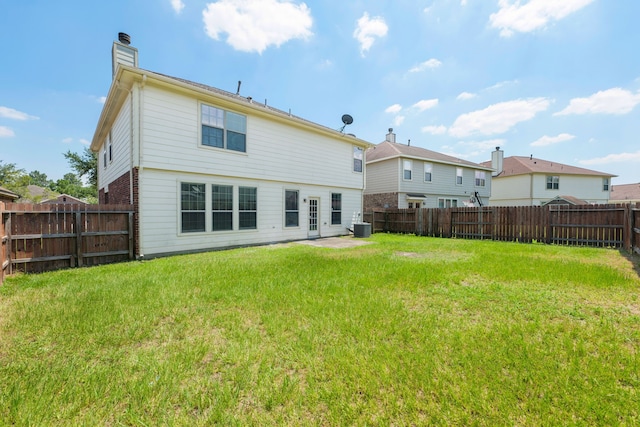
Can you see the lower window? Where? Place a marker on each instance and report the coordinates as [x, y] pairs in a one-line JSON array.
[[447, 203], [192, 207], [222, 207], [336, 208], [248, 207], [291, 212]]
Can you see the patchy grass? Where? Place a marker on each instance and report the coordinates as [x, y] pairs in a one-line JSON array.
[[406, 331]]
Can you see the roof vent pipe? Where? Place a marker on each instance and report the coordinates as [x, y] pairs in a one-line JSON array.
[[124, 38]]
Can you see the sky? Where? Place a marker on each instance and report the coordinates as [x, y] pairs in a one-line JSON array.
[[559, 80]]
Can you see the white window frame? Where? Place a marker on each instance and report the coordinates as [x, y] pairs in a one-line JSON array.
[[481, 179], [358, 159], [223, 120], [459, 175], [428, 169], [297, 210], [552, 182], [605, 184], [446, 202], [406, 163]]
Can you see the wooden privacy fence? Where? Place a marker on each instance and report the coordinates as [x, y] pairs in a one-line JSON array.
[[37, 238], [615, 226]]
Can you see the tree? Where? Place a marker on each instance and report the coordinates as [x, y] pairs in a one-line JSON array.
[[10, 175], [85, 165], [40, 179]]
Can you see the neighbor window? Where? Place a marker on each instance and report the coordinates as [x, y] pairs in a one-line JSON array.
[[291, 208], [406, 174], [458, 176], [248, 207], [480, 179], [357, 159], [336, 208], [223, 129], [605, 184], [222, 207], [553, 182], [110, 149], [192, 207], [428, 170], [447, 203], [104, 158]]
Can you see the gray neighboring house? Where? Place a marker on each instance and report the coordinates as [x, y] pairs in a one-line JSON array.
[[402, 176]]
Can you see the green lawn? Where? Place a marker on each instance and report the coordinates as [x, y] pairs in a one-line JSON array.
[[404, 331]]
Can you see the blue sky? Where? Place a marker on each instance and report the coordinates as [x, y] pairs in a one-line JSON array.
[[559, 80]]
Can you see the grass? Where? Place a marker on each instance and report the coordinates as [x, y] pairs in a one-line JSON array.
[[405, 331]]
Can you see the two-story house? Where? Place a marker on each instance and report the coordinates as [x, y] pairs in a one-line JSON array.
[[205, 168], [529, 181], [404, 176]]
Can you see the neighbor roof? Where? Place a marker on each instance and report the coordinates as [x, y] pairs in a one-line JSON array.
[[388, 150], [520, 165], [8, 194], [625, 192]]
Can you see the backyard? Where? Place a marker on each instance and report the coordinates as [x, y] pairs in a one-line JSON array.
[[404, 330]]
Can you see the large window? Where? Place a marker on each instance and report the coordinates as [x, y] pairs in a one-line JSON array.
[[291, 211], [605, 184], [428, 170], [553, 182], [447, 203], [458, 176], [406, 174], [222, 207], [192, 206], [357, 159], [336, 208], [248, 207], [480, 179], [223, 129]]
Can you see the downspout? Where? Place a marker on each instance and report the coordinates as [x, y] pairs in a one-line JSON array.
[[140, 163]]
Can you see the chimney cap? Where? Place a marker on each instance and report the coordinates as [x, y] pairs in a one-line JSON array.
[[390, 130], [124, 38]]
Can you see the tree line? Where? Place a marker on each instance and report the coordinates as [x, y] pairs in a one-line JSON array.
[[84, 165]]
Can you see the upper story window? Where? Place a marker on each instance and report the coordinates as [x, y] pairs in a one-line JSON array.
[[110, 149], [358, 153], [223, 129], [553, 182], [458, 176], [406, 174], [480, 179], [605, 184], [428, 170]]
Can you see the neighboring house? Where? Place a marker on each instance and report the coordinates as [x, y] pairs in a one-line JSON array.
[[625, 193], [528, 181], [565, 200], [402, 176], [7, 195], [64, 199], [205, 168]]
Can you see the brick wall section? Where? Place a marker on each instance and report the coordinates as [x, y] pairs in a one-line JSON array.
[[380, 201], [136, 211], [120, 190]]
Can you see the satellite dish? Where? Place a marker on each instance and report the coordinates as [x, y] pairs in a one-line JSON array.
[[347, 120]]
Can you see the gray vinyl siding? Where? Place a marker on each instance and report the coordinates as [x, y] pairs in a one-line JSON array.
[[382, 177]]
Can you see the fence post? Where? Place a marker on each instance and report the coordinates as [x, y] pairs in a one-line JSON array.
[[627, 228], [419, 218], [78, 233]]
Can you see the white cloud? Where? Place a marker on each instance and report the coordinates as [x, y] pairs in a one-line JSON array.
[[254, 25], [425, 104], [466, 95], [10, 113], [102, 99], [430, 63], [368, 29], [532, 15], [611, 101], [177, 5], [398, 120], [497, 118], [394, 109], [67, 140], [463, 2], [550, 140], [435, 130], [85, 141], [5, 132], [613, 158]]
